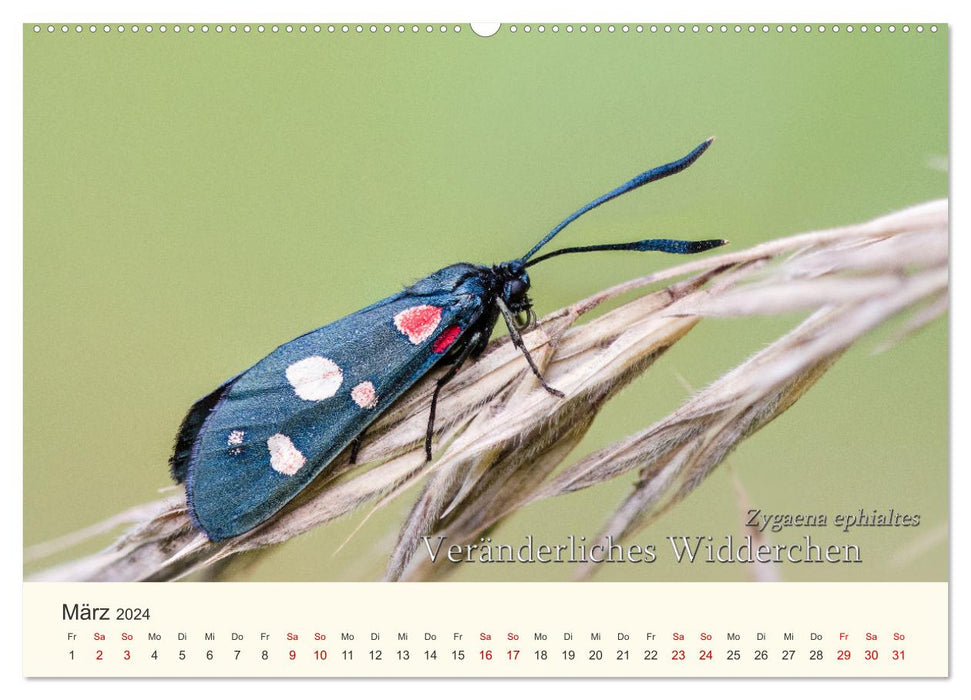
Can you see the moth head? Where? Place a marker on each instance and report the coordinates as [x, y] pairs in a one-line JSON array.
[[515, 285]]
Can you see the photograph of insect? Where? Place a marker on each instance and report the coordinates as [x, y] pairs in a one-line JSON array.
[[248, 448]]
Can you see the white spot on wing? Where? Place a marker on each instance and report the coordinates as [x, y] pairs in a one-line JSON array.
[[364, 395], [284, 457], [315, 378], [234, 441]]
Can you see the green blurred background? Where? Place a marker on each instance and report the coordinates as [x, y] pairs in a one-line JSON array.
[[193, 200]]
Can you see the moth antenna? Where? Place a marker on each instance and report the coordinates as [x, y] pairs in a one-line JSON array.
[[663, 245], [647, 176]]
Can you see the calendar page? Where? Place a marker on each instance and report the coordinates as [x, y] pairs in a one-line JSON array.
[[397, 349]]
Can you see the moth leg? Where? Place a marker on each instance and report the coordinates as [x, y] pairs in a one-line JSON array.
[[460, 359], [356, 445], [517, 340]]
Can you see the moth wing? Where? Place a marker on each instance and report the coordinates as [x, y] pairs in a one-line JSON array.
[[272, 429], [189, 430]]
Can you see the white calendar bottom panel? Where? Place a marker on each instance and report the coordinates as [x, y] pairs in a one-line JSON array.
[[481, 630]]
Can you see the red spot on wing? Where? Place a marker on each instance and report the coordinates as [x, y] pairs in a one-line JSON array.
[[418, 322], [445, 340]]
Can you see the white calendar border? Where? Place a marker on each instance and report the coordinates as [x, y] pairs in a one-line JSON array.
[[509, 10]]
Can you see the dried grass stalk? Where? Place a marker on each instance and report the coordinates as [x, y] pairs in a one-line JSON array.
[[502, 437]]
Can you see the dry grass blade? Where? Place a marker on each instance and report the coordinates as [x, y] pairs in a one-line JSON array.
[[504, 436]]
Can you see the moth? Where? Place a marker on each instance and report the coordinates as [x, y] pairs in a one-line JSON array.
[[248, 448]]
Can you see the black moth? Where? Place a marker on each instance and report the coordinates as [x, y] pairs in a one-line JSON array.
[[254, 443]]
